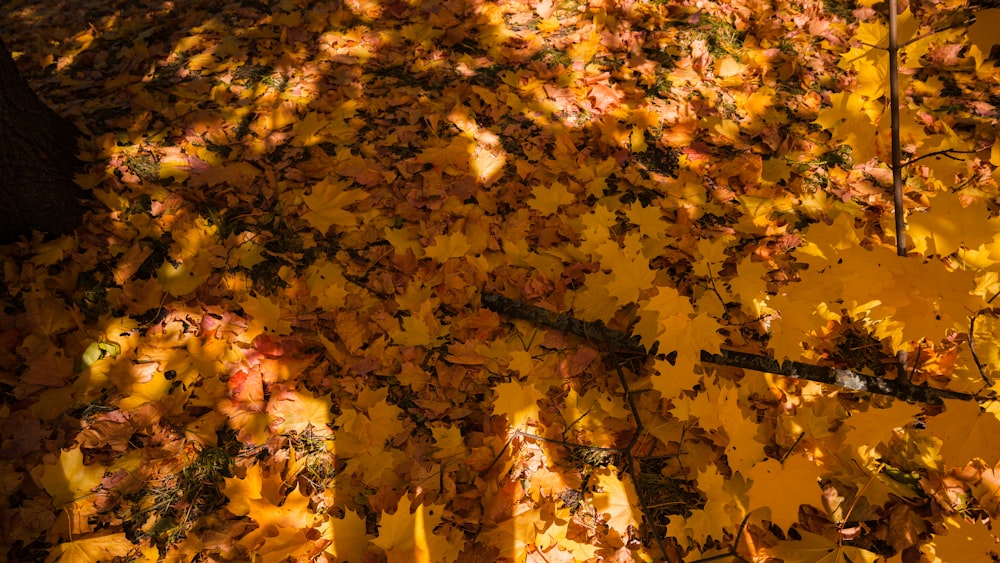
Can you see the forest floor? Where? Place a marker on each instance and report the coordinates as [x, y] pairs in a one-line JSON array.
[[271, 338]]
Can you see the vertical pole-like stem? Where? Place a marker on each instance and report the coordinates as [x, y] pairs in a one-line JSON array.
[[897, 152]]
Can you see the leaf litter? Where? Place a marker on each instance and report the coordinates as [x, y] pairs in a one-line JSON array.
[[269, 340]]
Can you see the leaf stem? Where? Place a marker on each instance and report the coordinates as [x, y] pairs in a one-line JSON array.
[[858, 496]]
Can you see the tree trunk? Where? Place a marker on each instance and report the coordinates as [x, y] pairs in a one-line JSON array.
[[37, 161]]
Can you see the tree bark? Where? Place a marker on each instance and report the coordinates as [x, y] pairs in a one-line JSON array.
[[37, 161]]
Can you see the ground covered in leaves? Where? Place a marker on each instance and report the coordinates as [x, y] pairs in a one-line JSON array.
[[269, 340]]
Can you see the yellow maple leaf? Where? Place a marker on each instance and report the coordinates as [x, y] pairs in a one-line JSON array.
[[357, 435], [629, 269], [190, 261], [983, 34], [348, 536], [69, 479], [749, 284], [617, 499], [51, 252], [945, 167], [813, 548], [449, 442], [364, 437], [327, 202], [902, 299], [266, 316], [515, 535], [292, 511], [283, 521], [594, 301], [584, 413], [546, 199], [586, 47], [407, 535], [240, 490], [724, 131], [283, 544], [725, 507], [852, 121], [961, 541], [454, 245], [875, 426], [783, 487], [296, 411], [421, 328], [155, 388], [717, 410], [488, 163], [306, 130], [967, 432], [47, 315], [326, 282], [102, 546], [659, 313], [949, 225], [245, 405], [519, 401]]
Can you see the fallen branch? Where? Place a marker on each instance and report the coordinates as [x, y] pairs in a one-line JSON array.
[[621, 342], [596, 332], [844, 378]]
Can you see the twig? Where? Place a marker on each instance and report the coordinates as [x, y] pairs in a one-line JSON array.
[[788, 453], [857, 497], [916, 38], [947, 153], [972, 343]]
